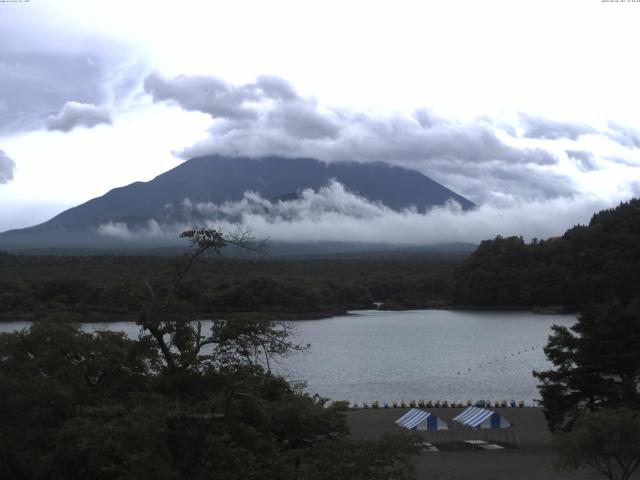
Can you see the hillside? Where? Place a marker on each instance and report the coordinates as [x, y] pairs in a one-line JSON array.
[[587, 264], [214, 180]]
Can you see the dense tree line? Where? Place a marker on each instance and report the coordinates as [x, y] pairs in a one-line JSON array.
[[92, 287], [587, 264]]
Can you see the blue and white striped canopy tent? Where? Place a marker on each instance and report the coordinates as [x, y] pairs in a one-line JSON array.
[[422, 420], [482, 418]]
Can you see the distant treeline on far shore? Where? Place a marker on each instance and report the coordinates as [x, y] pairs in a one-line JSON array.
[[586, 264]]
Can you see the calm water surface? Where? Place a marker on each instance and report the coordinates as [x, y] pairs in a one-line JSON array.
[[430, 354], [419, 354]]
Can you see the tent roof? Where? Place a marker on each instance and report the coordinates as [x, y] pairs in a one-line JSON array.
[[481, 418], [421, 420]]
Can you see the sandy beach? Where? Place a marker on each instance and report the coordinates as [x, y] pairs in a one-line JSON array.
[[528, 456]]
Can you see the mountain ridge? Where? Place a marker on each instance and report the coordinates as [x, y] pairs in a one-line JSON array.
[[216, 180]]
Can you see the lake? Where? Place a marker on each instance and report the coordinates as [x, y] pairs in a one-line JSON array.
[[420, 354]]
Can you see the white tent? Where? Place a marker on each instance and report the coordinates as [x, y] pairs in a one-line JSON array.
[[422, 420], [476, 417]]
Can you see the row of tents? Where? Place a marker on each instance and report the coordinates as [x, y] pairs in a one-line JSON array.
[[474, 417]]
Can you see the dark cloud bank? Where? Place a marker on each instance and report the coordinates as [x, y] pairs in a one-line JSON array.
[[268, 117]]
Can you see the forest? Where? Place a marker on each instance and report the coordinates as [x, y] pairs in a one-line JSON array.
[[92, 288], [587, 264], [176, 403]]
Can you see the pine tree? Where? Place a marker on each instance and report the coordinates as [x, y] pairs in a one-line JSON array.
[[596, 364]]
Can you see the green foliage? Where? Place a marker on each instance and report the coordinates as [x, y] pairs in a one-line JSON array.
[[90, 288], [75, 405], [389, 457], [608, 441], [177, 403], [596, 364], [53, 377], [587, 264]]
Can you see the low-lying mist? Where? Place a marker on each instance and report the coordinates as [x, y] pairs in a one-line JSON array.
[[333, 214]]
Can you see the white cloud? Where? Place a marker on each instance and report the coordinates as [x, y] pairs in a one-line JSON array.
[[544, 128], [76, 114], [46, 62], [7, 166], [120, 230], [624, 135], [310, 205], [585, 160], [487, 61], [333, 214], [116, 230]]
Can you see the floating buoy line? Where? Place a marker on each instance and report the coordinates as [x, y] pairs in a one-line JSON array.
[[431, 404]]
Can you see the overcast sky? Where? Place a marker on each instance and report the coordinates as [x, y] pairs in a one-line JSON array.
[[528, 108]]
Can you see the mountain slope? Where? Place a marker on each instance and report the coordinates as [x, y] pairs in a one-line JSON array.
[[215, 179]]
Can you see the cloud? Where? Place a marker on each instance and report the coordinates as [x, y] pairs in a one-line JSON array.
[[34, 86], [333, 214], [628, 162], [625, 136], [7, 166], [297, 127], [150, 229], [268, 117], [43, 66], [440, 225], [331, 199], [302, 120], [503, 184], [75, 114], [586, 160], [115, 230], [452, 153], [205, 94], [276, 88], [220, 99], [546, 129]]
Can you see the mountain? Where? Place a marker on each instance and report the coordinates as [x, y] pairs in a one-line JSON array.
[[214, 180]]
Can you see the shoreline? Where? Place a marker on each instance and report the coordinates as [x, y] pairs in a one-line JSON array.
[[101, 317], [104, 317]]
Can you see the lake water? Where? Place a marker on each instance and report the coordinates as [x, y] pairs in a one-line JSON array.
[[420, 354]]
